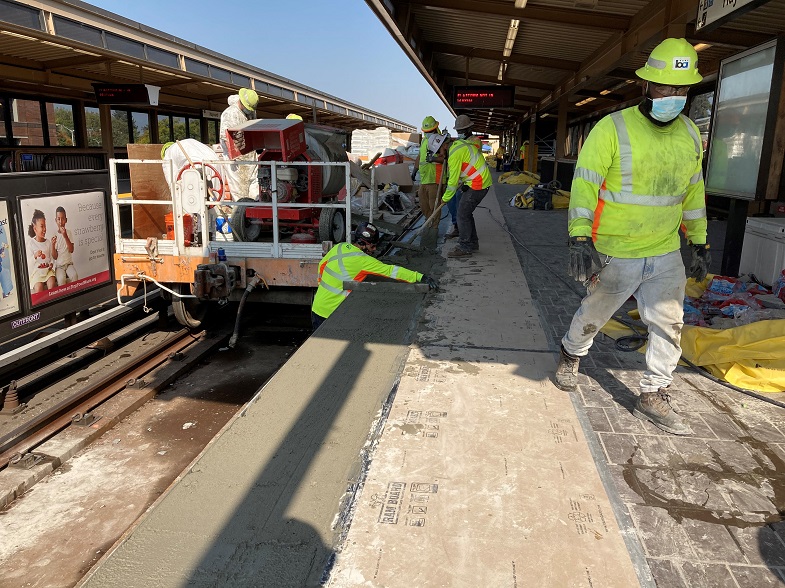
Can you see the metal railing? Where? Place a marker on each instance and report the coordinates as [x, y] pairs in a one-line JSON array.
[[178, 246]]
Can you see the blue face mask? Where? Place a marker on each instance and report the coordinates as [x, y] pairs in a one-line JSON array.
[[668, 108]]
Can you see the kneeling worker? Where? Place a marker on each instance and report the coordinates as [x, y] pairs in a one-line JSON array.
[[346, 262]]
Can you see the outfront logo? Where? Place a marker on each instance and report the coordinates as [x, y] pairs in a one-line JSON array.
[[681, 63]]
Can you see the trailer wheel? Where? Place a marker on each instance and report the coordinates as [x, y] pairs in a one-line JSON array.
[[189, 312], [242, 228], [332, 225]]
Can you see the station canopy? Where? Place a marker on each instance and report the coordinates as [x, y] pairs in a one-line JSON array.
[[51, 47], [581, 53]]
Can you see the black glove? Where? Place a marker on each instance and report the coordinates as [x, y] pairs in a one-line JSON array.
[[701, 259], [414, 174], [584, 259], [432, 284]]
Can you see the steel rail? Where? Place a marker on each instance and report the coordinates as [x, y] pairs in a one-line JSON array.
[[45, 425]]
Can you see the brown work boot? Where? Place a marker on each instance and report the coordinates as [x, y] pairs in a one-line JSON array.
[[656, 408], [452, 233], [458, 252], [567, 371]]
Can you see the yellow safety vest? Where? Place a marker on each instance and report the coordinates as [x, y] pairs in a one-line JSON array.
[[465, 163], [346, 262], [636, 183]]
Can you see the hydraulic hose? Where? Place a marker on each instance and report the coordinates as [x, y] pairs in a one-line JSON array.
[[252, 283]]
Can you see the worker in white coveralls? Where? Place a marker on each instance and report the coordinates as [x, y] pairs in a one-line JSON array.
[[638, 179], [242, 179]]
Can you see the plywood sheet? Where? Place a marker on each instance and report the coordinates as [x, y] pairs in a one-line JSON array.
[[148, 183], [482, 478]]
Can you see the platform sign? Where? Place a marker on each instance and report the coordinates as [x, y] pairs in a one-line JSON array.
[[126, 94], [67, 246], [9, 303], [715, 13], [465, 97]]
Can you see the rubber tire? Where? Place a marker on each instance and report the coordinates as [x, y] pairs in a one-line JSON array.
[[241, 231], [189, 312], [332, 225]]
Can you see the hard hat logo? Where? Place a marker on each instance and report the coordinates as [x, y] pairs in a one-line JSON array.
[[681, 63]]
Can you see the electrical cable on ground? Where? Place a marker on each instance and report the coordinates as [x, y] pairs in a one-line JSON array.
[[634, 342]]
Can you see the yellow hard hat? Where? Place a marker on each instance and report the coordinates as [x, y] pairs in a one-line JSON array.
[[165, 147], [293, 117], [429, 124], [249, 98], [673, 62]]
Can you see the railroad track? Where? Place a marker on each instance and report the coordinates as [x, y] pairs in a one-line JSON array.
[[144, 369]]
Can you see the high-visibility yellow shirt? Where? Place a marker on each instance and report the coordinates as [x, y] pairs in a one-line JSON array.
[[500, 153], [345, 262], [636, 183], [466, 164]]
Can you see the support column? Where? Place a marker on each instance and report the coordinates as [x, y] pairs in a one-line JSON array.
[[561, 134], [531, 160], [734, 237], [105, 114]]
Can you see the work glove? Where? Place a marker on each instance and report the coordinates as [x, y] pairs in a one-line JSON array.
[[414, 174], [584, 259], [701, 259], [432, 284]]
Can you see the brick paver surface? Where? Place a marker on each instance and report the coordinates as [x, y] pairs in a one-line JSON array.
[[707, 508]]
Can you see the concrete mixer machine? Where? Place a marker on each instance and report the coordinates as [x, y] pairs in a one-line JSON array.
[[292, 142]]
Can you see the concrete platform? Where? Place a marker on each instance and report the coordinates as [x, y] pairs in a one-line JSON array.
[[416, 440]]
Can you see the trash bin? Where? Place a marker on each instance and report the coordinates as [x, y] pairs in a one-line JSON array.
[[506, 167]]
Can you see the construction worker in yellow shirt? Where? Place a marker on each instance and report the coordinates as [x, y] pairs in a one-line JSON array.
[[499, 157], [353, 262], [467, 166], [638, 179]]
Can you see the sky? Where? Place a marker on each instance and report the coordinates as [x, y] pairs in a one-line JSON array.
[[336, 46]]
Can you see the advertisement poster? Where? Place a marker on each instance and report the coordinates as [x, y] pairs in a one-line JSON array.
[[9, 303], [66, 244]]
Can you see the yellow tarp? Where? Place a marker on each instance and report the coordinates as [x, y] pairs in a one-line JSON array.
[[560, 199], [750, 356], [519, 178]]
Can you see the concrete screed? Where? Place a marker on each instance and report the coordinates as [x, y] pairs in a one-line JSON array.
[[484, 473]]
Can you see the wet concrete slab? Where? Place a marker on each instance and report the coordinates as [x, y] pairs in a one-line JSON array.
[[260, 506]]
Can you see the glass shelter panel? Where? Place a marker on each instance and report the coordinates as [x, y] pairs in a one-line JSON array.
[[62, 130], [93, 121], [742, 105]]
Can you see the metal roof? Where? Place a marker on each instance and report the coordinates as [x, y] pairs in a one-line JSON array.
[[63, 46], [563, 51]]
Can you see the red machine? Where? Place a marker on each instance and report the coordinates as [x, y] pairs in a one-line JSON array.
[[285, 140]]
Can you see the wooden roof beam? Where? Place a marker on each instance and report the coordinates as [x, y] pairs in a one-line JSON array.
[[656, 21], [731, 38], [583, 18], [454, 73], [520, 58], [73, 61]]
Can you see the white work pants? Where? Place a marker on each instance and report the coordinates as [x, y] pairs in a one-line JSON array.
[[658, 286]]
